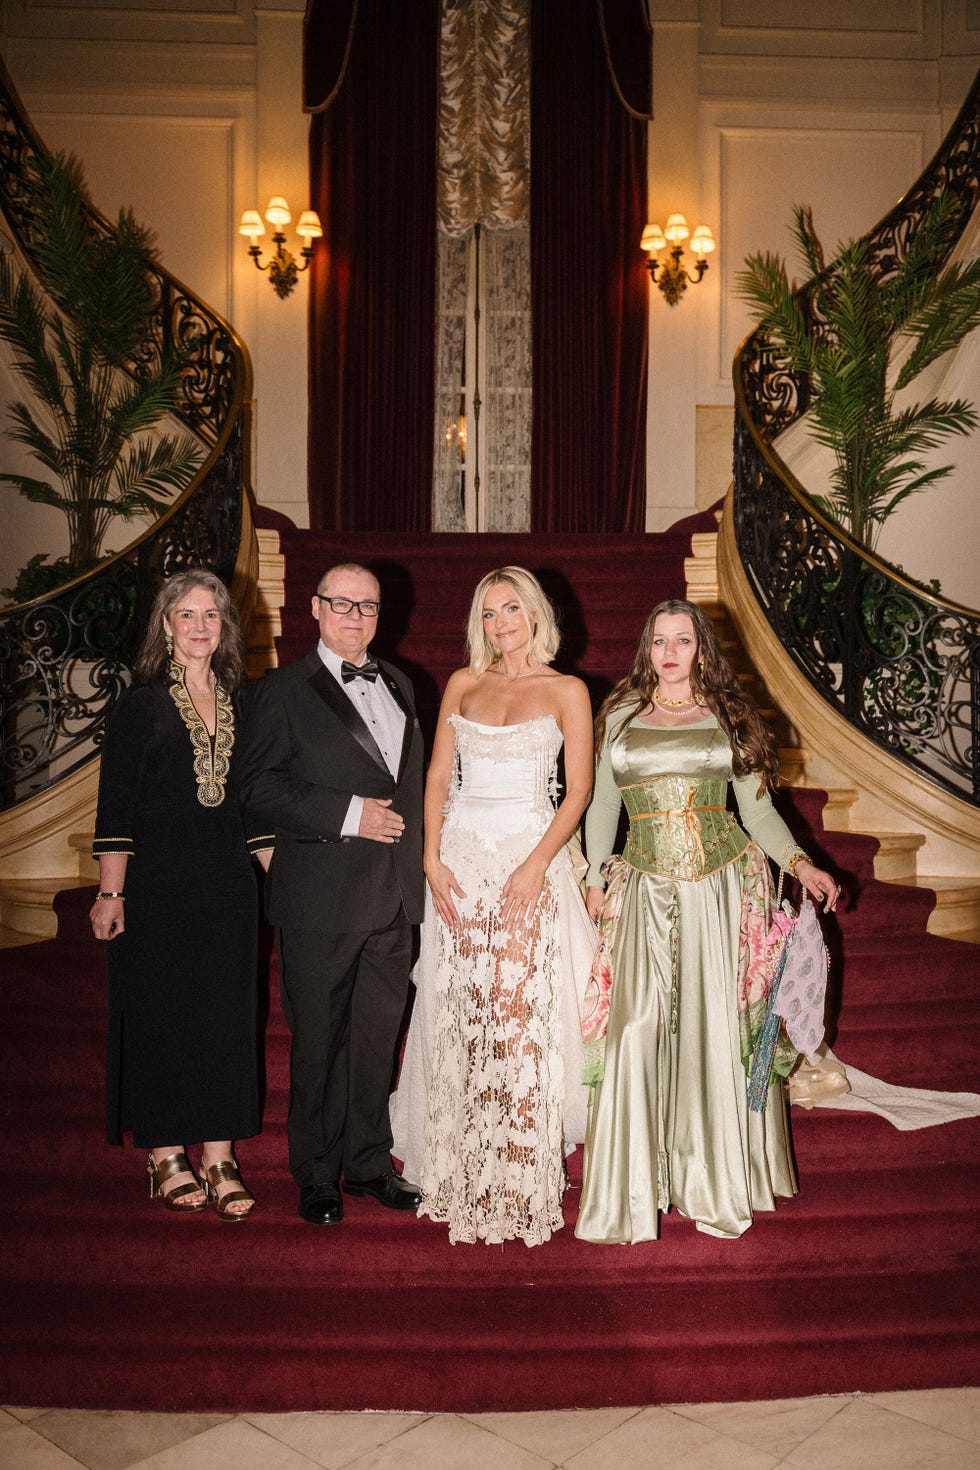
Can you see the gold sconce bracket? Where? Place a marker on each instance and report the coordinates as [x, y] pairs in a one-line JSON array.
[[284, 271], [670, 276]]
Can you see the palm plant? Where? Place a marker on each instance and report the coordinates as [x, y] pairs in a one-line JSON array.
[[846, 332], [75, 346]]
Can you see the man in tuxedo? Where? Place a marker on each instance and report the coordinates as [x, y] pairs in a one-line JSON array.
[[332, 766]]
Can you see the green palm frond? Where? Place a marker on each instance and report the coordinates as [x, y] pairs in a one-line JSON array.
[[23, 324], [807, 241], [76, 336], [861, 313], [138, 404], [26, 430], [941, 321], [38, 491], [885, 505], [765, 285], [915, 278], [156, 468]]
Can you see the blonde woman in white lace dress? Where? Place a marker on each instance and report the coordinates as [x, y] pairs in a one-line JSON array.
[[490, 1098]]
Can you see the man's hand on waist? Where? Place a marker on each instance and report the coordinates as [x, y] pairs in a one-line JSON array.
[[378, 822]]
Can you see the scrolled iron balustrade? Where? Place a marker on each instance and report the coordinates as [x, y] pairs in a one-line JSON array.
[[65, 658], [901, 665]]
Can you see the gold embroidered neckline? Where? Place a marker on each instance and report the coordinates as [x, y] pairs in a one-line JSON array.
[[212, 753]]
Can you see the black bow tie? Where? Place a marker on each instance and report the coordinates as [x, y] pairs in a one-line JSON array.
[[367, 670]]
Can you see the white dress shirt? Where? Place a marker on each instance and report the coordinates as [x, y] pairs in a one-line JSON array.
[[376, 706]]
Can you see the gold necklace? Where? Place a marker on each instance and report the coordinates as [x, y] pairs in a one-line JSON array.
[[675, 703]]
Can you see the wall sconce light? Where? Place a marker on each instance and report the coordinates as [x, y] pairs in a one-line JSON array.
[[673, 280], [282, 267]]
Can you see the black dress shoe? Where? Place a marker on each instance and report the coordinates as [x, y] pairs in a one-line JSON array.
[[388, 1189], [320, 1204]]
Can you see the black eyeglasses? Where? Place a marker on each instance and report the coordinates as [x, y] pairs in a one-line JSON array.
[[344, 605]]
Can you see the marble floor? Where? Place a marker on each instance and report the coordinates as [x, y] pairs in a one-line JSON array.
[[936, 1430]]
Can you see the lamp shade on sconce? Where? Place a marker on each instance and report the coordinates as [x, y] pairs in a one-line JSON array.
[[277, 212], [652, 239], [702, 241], [676, 228], [308, 226], [251, 224]]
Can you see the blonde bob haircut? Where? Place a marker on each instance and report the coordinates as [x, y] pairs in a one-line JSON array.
[[540, 614]]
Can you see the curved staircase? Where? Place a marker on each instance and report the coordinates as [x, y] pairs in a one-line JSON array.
[[66, 657], [868, 1280]]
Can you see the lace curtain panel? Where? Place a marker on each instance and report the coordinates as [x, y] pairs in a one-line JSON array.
[[483, 330], [484, 122], [498, 443], [507, 390], [390, 350], [448, 512]]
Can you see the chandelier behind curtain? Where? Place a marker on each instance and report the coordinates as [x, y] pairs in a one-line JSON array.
[[482, 445]]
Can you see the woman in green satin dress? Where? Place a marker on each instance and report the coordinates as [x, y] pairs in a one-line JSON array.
[[679, 996]]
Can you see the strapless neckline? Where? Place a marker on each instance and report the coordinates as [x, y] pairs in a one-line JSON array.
[[521, 724]]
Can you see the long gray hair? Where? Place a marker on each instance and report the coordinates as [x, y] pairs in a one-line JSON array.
[[228, 660]]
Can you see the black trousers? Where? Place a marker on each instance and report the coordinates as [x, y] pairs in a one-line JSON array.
[[343, 996]]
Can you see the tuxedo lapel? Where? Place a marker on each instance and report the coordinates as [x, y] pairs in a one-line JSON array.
[[325, 685], [394, 689]]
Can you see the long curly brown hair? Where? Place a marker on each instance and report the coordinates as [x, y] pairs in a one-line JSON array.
[[713, 680], [228, 659]]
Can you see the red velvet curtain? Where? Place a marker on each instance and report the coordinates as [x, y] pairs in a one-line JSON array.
[[372, 292], [589, 286]]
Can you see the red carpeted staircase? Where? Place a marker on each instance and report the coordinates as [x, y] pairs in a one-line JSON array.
[[868, 1280]]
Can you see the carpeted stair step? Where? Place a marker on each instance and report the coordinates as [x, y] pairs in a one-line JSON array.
[[749, 1344], [831, 1140], [889, 1051], [26, 904], [856, 1223], [867, 1280], [956, 903], [14, 938]]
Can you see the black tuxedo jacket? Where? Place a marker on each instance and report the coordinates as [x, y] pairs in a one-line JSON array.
[[306, 753]]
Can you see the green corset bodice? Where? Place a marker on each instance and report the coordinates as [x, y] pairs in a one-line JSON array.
[[680, 827]]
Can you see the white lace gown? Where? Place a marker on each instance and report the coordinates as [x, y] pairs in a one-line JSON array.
[[490, 1098]]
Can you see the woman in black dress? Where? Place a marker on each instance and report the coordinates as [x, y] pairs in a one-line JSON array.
[[177, 901]]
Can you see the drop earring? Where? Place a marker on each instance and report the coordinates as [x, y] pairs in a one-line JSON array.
[[169, 643], [701, 666]]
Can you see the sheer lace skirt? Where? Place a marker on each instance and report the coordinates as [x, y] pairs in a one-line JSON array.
[[492, 1164]]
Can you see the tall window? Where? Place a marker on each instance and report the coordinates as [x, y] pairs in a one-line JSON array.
[[482, 461]]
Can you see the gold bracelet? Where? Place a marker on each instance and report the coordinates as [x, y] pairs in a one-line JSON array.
[[111, 895], [799, 856]]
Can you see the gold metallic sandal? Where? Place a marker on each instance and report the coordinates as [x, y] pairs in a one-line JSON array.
[[226, 1172], [159, 1171]]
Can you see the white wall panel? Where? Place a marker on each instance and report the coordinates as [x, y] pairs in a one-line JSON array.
[[203, 22], [177, 174], [850, 170], [823, 27]]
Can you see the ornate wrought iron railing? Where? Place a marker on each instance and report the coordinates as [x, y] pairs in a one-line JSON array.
[[901, 665], [66, 657]]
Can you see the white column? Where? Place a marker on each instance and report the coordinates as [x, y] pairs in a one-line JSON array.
[[673, 183], [278, 340]]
